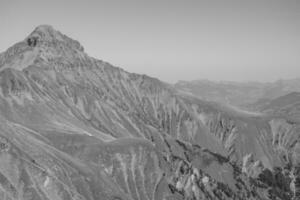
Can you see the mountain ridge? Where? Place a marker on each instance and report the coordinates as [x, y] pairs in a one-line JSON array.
[[238, 94], [128, 136]]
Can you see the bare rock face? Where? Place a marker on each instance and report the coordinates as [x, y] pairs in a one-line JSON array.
[[74, 127], [4, 145], [46, 35]]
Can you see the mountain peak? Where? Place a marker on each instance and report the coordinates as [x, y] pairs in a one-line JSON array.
[[47, 34], [44, 33], [43, 43], [45, 28]]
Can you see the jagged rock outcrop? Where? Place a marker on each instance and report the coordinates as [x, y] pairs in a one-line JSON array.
[[75, 127]]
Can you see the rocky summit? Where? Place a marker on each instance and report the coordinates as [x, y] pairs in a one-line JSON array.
[[73, 127]]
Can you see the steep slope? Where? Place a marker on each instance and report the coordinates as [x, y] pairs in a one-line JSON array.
[[80, 128]]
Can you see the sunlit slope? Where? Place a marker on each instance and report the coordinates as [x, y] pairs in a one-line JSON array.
[[117, 135]]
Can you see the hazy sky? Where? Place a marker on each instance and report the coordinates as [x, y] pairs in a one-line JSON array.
[[257, 40]]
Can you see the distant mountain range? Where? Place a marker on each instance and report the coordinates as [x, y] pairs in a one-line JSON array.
[[286, 105], [73, 127], [240, 94]]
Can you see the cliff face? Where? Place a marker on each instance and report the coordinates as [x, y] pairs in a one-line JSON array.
[[74, 127]]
